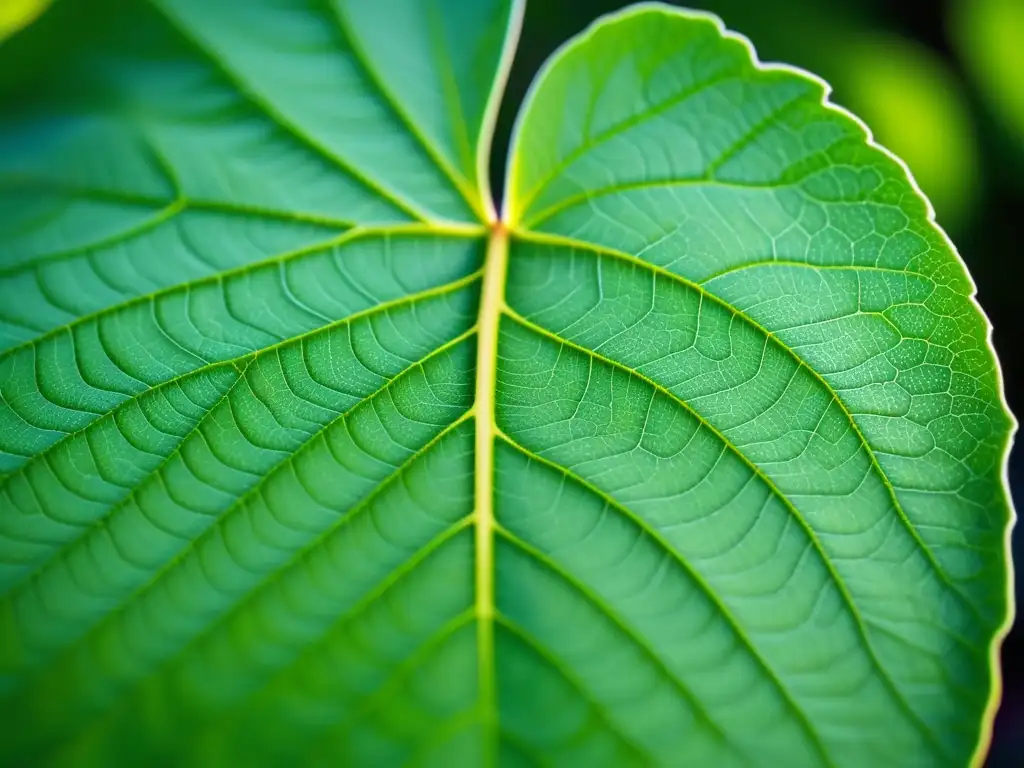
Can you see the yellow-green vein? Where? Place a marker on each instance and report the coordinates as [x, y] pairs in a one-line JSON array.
[[858, 619], [491, 302], [641, 643], [251, 95], [569, 242], [362, 58], [726, 613]]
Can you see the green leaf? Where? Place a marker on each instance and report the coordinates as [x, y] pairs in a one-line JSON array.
[[692, 457], [919, 109]]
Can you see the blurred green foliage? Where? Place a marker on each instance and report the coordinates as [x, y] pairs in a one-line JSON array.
[[15, 14], [989, 35]]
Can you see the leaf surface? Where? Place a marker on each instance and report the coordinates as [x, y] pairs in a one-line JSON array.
[[692, 457]]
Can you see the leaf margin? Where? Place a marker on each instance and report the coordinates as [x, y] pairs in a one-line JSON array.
[[501, 226], [512, 219]]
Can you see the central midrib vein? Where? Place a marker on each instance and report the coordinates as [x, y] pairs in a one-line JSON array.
[[491, 302]]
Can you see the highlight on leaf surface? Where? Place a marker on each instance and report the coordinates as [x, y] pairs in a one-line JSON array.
[[693, 457]]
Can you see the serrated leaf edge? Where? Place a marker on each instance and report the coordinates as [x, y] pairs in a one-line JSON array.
[[510, 216]]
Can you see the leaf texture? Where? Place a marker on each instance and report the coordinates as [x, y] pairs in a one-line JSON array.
[[691, 457]]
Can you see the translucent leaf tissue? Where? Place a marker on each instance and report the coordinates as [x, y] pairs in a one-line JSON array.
[[692, 455]]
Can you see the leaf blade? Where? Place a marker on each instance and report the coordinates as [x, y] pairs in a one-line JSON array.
[[691, 457], [707, 175]]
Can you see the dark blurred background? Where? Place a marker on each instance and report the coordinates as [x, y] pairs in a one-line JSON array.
[[941, 84]]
